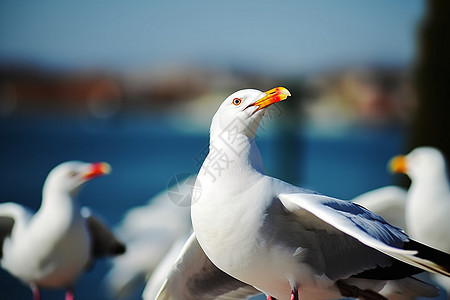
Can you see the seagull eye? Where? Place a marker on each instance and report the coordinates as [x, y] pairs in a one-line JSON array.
[[72, 173], [237, 101]]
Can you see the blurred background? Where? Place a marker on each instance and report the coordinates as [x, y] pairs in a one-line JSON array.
[[135, 83]]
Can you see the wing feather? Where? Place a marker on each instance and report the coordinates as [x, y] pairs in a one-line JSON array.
[[367, 227], [194, 276], [12, 214], [104, 242]]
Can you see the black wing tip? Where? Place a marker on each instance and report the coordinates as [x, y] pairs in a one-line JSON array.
[[118, 248], [6, 226], [399, 269], [438, 257], [113, 249]]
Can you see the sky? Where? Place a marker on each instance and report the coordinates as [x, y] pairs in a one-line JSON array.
[[283, 37]]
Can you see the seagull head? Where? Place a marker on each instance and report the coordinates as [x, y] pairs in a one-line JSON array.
[[70, 176], [422, 162], [243, 110]]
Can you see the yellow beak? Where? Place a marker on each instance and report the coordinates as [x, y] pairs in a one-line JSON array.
[[274, 95], [398, 164]]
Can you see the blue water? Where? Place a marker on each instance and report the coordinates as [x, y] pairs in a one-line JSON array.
[[146, 153]]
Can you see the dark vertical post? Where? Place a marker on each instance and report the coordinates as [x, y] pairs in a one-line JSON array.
[[432, 79]]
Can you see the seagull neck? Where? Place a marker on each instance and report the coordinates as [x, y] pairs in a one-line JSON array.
[[54, 198], [439, 182], [226, 153]]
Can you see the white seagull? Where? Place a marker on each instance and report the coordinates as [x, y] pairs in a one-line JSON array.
[[51, 248], [428, 201], [284, 240]]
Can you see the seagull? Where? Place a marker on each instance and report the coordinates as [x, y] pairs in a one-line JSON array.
[[428, 200], [52, 247], [284, 240]]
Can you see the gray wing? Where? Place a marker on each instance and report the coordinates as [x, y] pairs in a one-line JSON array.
[[374, 242], [194, 277], [6, 226], [327, 250], [11, 214], [104, 243], [388, 202]]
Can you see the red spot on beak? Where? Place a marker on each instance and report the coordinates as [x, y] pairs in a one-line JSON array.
[[273, 96], [97, 170]]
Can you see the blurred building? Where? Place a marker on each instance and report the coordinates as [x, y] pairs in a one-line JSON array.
[[367, 95], [27, 88]]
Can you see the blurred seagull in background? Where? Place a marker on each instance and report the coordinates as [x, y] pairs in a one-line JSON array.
[[284, 240], [428, 204], [427, 212], [51, 248], [150, 231]]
